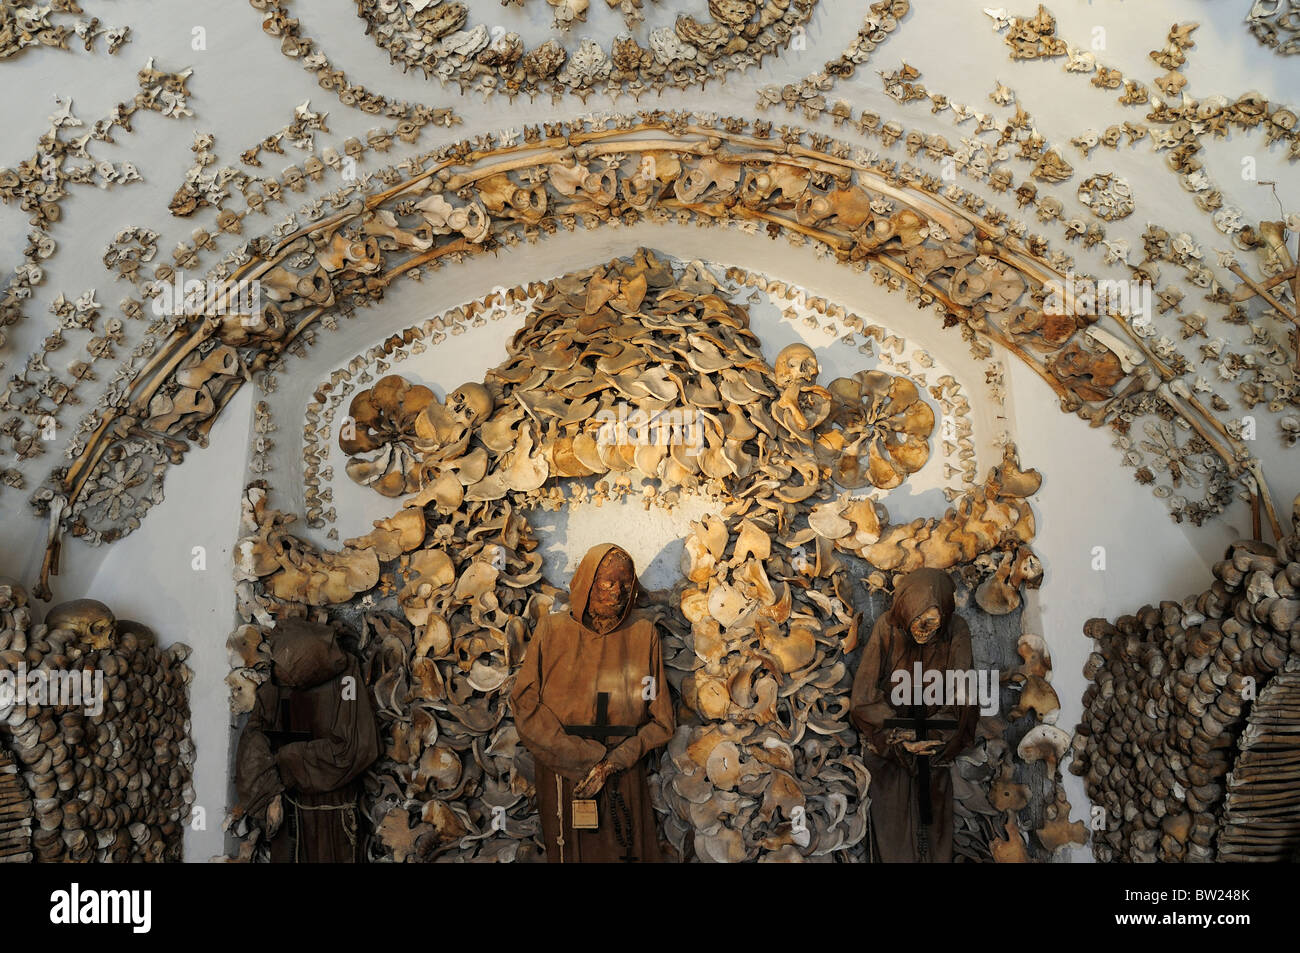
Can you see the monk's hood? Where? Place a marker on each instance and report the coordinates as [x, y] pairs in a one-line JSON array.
[[305, 654], [921, 590], [585, 576]]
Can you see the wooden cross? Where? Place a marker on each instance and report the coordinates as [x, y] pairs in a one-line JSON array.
[[921, 726]]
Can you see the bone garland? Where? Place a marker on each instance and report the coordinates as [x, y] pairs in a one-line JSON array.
[[1048, 166], [1186, 123], [1190, 119], [109, 772], [202, 188], [689, 168], [24, 25], [974, 158], [1172, 682], [260, 193], [39, 185], [295, 45], [1266, 376], [441, 42], [882, 20], [1275, 26]]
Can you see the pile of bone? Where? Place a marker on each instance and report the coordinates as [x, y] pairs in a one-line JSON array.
[[634, 371], [769, 774], [1165, 708], [15, 814], [453, 777], [755, 792], [990, 807], [15, 799], [1261, 817], [109, 777]]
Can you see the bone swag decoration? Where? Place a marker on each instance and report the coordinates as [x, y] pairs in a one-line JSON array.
[[756, 634], [106, 785], [685, 332], [439, 39]]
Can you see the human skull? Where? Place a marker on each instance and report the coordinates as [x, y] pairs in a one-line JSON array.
[[796, 364], [90, 619], [472, 402]]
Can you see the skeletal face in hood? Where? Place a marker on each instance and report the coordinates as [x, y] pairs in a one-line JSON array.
[[610, 590], [925, 625]]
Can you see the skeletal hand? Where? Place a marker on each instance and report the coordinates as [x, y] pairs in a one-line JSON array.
[[274, 816], [922, 747], [594, 781]]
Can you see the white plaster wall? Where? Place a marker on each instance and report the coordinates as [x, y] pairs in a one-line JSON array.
[[151, 576]]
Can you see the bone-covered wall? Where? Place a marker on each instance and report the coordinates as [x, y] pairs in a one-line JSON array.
[[895, 185]]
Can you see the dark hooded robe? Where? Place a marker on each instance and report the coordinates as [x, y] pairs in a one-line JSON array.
[[565, 667], [309, 737], [894, 809]]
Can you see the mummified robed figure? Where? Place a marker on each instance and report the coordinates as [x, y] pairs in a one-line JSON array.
[[590, 701], [911, 783]]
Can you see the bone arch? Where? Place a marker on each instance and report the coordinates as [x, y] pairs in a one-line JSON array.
[[473, 199]]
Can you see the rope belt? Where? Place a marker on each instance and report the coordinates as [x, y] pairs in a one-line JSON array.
[[349, 821], [559, 810]]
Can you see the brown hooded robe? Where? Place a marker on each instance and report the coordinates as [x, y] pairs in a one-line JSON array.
[[565, 666], [318, 778], [891, 648]]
